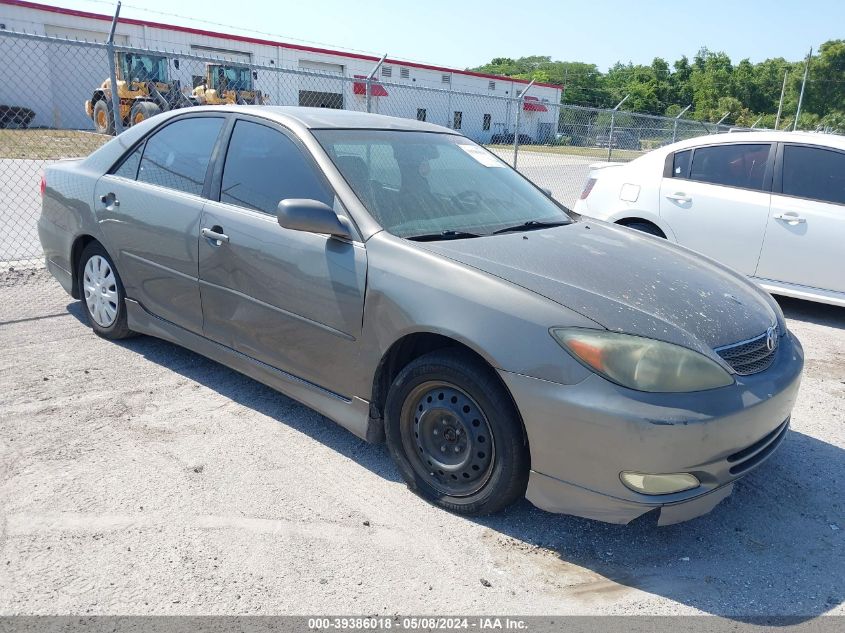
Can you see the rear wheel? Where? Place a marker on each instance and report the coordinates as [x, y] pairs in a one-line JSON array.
[[141, 111], [102, 293], [455, 434], [103, 119]]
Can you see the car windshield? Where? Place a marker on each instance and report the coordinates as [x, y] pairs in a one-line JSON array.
[[144, 68], [231, 78], [429, 184]]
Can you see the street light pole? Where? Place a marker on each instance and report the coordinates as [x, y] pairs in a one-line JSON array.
[[803, 85]]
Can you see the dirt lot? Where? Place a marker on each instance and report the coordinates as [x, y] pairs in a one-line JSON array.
[[140, 478]]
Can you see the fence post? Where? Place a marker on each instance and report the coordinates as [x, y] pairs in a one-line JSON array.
[[675, 128], [518, 103], [369, 81], [115, 98], [612, 125]]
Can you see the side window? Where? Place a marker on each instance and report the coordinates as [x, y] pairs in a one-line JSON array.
[[680, 164], [734, 165], [177, 156], [814, 173], [263, 166], [129, 167]]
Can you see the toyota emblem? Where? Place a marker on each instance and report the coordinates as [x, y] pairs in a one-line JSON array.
[[771, 338]]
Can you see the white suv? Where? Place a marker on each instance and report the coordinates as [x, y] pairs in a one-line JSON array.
[[769, 204]]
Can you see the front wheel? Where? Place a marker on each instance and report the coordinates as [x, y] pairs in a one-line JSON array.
[[103, 119], [102, 293], [455, 434]]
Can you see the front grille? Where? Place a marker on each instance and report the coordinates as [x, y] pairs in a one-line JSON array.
[[752, 356], [749, 457]]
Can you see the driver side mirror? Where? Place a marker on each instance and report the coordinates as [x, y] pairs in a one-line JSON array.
[[300, 214]]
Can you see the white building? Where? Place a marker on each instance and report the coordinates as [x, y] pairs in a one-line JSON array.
[[56, 84]]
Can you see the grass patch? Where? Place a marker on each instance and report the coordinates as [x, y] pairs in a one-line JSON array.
[[48, 144], [598, 153]]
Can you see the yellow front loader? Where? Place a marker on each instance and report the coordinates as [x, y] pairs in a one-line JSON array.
[[228, 85], [143, 88]]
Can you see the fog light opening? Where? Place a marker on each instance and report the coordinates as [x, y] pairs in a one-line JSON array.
[[667, 484]]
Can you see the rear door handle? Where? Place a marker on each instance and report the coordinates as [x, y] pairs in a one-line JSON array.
[[679, 197], [215, 234], [790, 217], [109, 200]]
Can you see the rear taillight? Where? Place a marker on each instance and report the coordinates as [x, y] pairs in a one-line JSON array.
[[43, 185], [591, 182]]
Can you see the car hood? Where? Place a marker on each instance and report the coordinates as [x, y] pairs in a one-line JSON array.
[[625, 281]]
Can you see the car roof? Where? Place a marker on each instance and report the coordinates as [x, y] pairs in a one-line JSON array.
[[324, 118], [762, 136]]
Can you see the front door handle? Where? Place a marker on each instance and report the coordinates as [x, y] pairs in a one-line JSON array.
[[790, 218], [215, 234], [679, 197]]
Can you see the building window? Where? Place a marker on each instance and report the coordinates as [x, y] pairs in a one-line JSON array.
[[446, 79], [404, 73], [457, 120], [386, 71], [491, 85], [485, 125], [420, 114]]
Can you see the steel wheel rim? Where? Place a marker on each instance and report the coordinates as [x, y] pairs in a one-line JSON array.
[[138, 118], [447, 438], [101, 119], [99, 285]]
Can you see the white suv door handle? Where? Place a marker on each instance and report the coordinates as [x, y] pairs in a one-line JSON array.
[[679, 197], [790, 217]]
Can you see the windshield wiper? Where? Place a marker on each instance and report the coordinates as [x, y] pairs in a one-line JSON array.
[[442, 235], [531, 224]]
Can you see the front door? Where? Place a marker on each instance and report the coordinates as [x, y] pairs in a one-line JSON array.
[[149, 210], [291, 299], [716, 201], [805, 238]]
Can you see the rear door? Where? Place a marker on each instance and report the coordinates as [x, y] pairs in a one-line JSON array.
[[715, 198], [292, 299], [149, 210], [805, 238]]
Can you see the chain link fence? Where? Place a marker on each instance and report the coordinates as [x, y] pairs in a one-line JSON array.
[[56, 103]]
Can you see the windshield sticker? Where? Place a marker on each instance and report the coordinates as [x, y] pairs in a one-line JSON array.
[[482, 156]]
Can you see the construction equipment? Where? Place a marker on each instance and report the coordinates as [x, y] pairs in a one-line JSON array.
[[226, 84], [144, 90]]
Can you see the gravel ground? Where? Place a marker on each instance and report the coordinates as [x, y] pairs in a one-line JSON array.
[[139, 478]]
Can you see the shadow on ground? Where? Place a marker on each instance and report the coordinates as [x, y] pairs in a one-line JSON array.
[[775, 546]]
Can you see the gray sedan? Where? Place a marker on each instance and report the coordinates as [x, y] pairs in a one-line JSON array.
[[409, 285]]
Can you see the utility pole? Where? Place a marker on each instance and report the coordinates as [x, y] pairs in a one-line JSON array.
[[803, 85], [565, 82], [782, 92]]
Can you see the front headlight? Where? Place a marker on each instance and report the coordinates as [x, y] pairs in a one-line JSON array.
[[642, 363]]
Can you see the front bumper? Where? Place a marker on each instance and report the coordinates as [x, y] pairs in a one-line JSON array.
[[583, 436]]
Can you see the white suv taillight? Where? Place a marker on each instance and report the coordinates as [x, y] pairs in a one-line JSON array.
[[588, 188]]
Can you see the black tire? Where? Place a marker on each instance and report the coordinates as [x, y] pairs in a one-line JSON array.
[[485, 474], [645, 227], [117, 328], [103, 119], [141, 111]]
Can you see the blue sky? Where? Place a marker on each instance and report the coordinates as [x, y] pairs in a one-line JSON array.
[[466, 33]]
